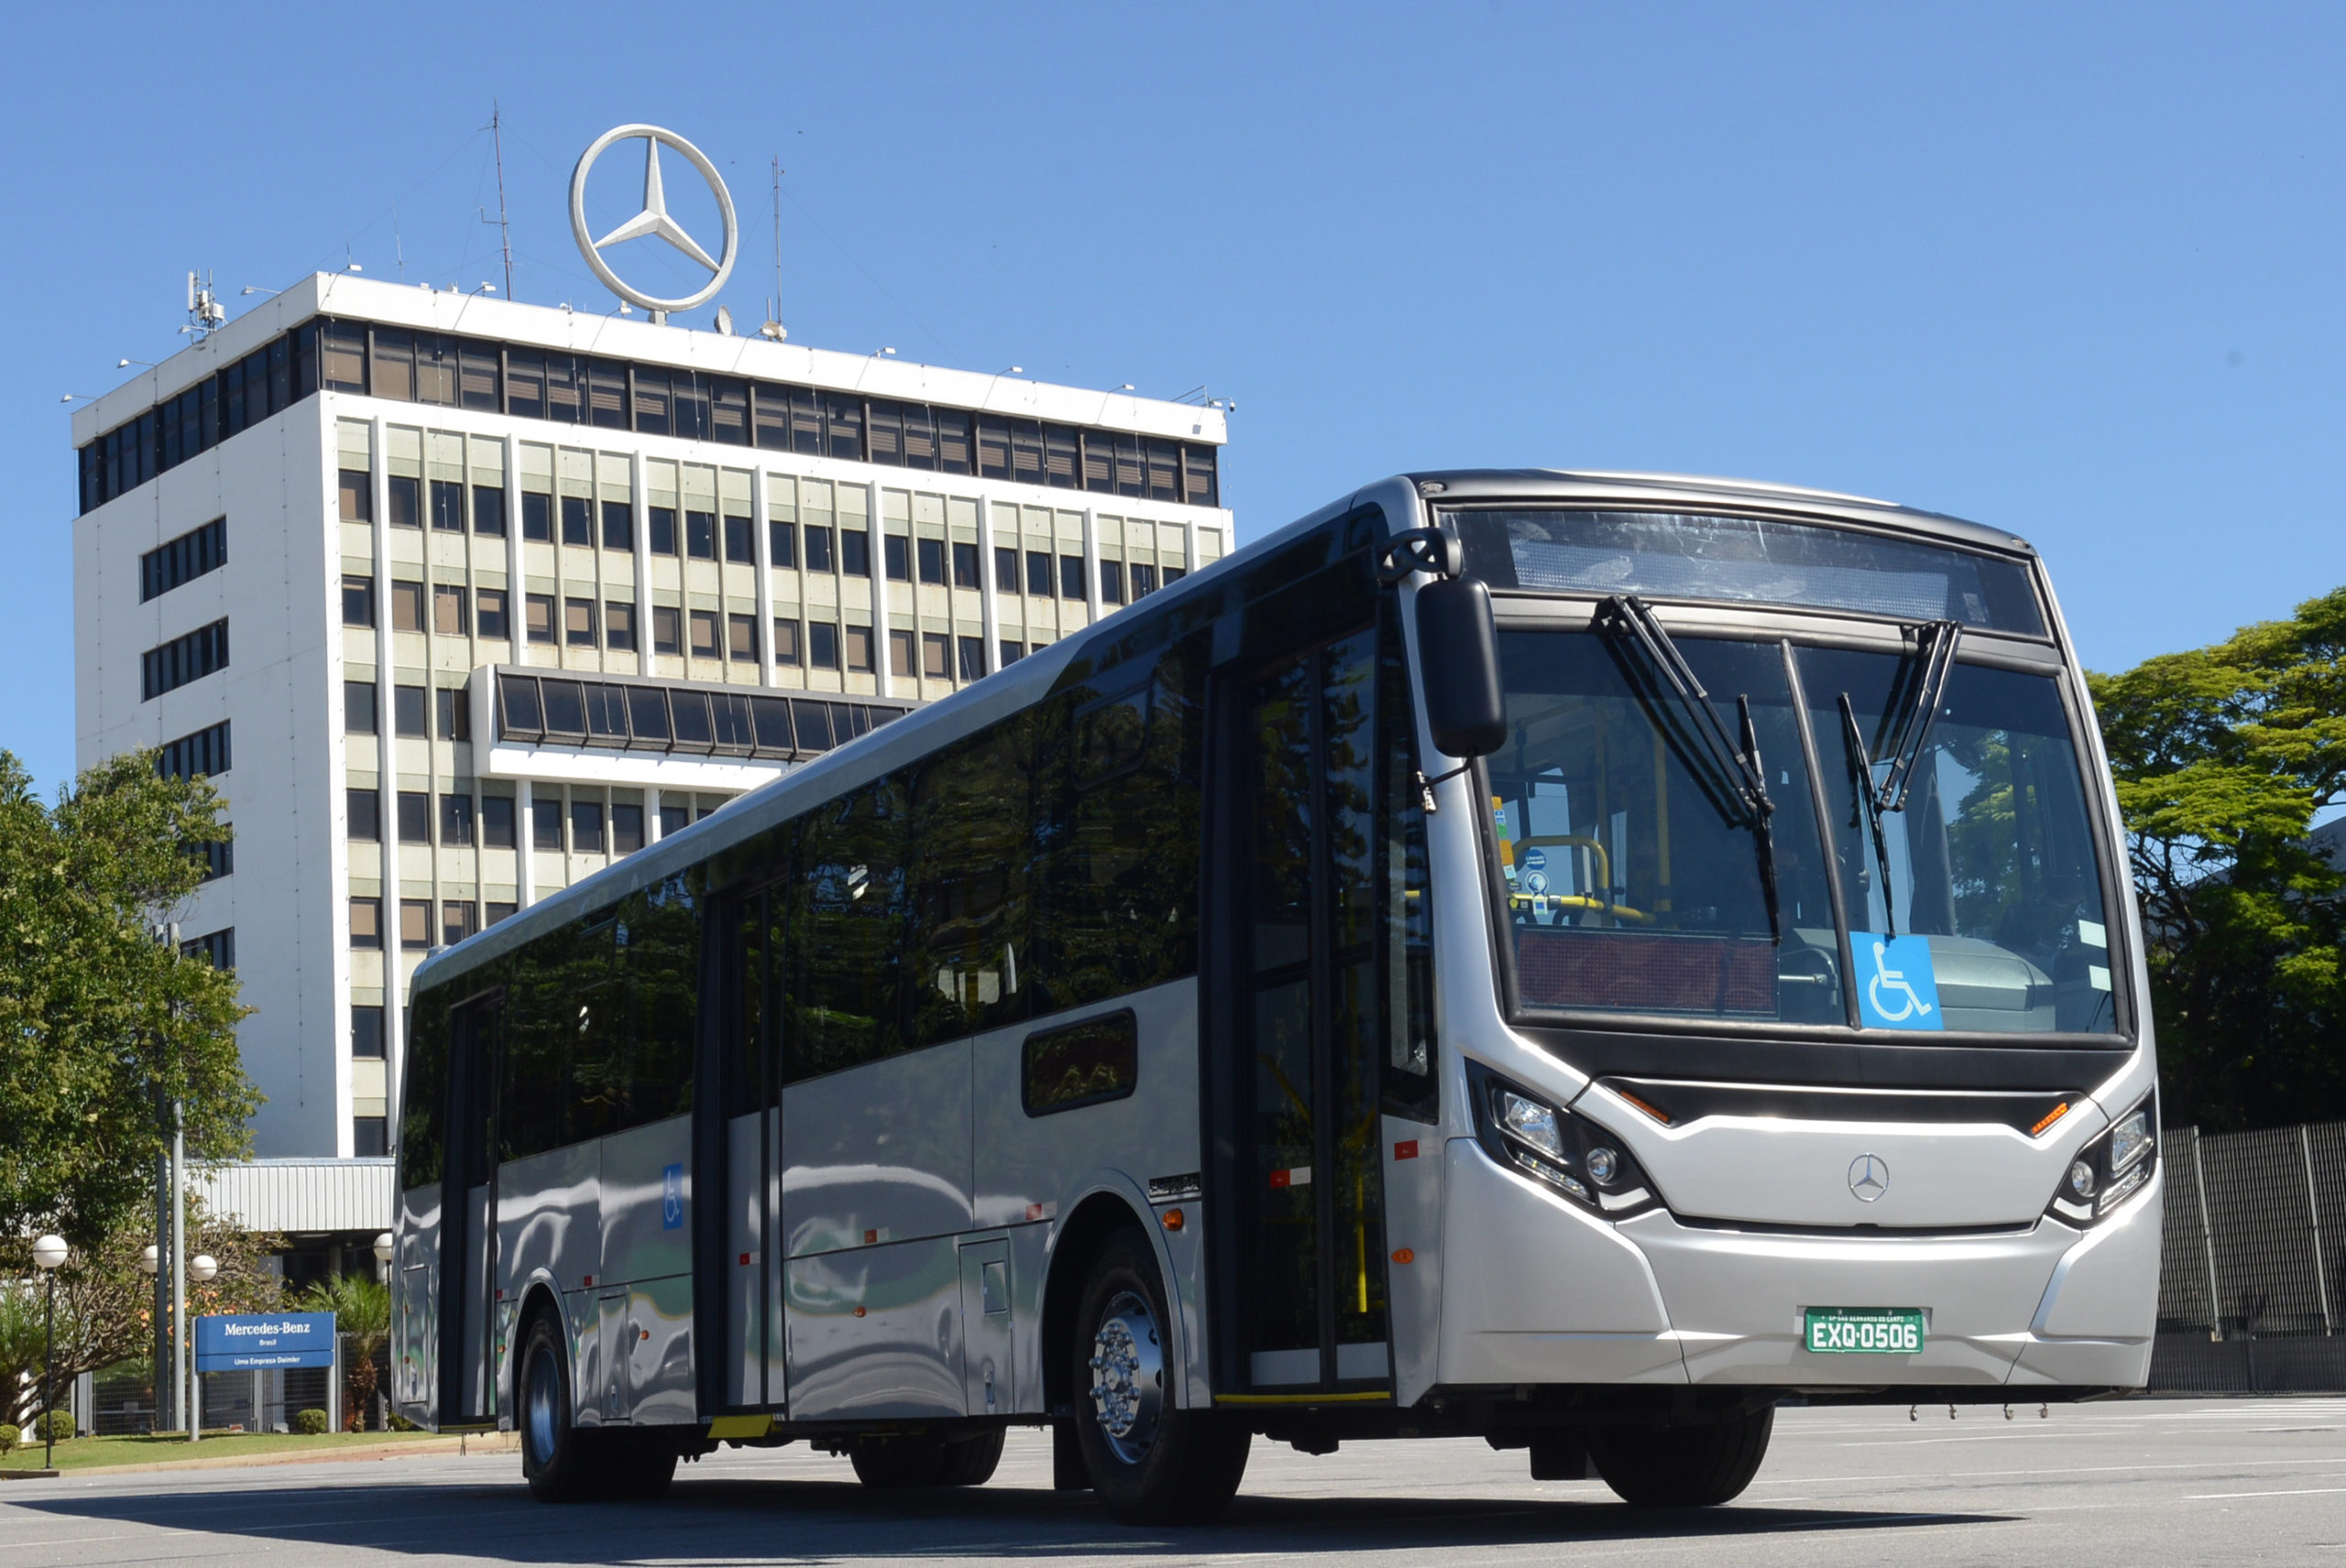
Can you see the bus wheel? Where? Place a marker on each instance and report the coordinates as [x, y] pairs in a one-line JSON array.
[[1689, 1467], [556, 1457], [926, 1459], [1153, 1463]]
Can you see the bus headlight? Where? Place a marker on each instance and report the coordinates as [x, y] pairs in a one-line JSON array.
[[1555, 1146], [2112, 1168]]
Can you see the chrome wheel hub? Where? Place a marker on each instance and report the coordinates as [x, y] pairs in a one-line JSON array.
[[1128, 1377], [543, 1413]]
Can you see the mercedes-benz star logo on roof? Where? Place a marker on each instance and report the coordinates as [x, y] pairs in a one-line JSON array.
[[653, 220], [1869, 1178]]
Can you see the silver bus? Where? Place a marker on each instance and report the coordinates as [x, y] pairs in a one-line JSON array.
[[1570, 959]]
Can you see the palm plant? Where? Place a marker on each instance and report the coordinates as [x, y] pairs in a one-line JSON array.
[[361, 1306]]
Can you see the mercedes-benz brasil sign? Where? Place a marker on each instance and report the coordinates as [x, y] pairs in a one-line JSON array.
[[653, 220]]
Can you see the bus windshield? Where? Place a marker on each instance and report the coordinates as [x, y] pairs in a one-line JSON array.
[[1637, 878]]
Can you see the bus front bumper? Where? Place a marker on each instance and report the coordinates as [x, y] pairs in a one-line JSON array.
[[1554, 1295]]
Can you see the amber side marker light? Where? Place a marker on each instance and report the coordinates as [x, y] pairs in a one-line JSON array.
[[2051, 1117], [1405, 1255], [1175, 1220], [1659, 1115]]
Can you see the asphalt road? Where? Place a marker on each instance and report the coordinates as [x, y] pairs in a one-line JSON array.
[[2205, 1481]]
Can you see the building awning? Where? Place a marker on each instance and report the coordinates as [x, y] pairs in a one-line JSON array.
[[301, 1196]]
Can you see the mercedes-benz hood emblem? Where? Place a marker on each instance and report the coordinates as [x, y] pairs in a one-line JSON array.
[[1869, 1178]]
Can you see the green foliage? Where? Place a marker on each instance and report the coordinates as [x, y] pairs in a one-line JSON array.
[[2223, 756], [99, 1023], [310, 1423], [56, 1426], [362, 1311], [9, 1436]]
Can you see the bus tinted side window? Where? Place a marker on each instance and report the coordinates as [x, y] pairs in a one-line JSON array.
[[850, 925], [596, 1000], [533, 1090], [663, 956], [423, 1104], [973, 820], [1117, 839]]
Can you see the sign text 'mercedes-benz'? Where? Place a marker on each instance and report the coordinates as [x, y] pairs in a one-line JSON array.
[[264, 1340]]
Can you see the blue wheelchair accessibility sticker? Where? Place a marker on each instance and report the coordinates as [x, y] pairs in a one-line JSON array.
[[1896, 989], [672, 1197]]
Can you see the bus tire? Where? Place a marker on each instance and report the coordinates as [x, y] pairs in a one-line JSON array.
[[1151, 1463], [559, 1461], [1694, 1465], [926, 1459]]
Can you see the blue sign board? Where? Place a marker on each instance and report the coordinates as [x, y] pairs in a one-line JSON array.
[[264, 1340]]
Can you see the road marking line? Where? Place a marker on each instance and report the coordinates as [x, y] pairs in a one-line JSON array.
[[2295, 1492]]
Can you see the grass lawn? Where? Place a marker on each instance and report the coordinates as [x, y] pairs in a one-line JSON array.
[[85, 1453]]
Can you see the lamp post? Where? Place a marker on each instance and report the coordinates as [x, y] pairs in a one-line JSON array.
[[150, 1264], [48, 1252], [201, 1268]]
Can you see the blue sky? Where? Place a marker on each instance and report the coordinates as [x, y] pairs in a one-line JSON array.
[[2075, 270]]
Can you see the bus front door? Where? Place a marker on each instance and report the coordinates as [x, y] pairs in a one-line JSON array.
[[1303, 1092], [468, 1327]]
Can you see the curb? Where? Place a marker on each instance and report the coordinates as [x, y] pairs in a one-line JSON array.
[[488, 1442]]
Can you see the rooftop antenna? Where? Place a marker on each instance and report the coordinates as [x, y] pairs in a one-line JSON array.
[[773, 327], [204, 312], [504, 227], [398, 248]]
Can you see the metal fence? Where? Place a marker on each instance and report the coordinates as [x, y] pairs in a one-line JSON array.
[[2252, 1282]]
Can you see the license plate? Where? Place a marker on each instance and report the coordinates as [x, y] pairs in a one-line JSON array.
[[1864, 1331]]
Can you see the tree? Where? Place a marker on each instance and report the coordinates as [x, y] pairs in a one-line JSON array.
[[100, 1024], [2223, 756], [362, 1311]]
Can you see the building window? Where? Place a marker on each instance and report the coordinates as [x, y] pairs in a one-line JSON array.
[[740, 541], [900, 652], [781, 543], [897, 548], [490, 603], [1005, 569], [447, 499], [488, 510], [1072, 577], [537, 613], [859, 650], [1111, 582], [578, 523], [972, 651], [415, 923], [537, 517], [409, 716], [415, 817], [496, 911], [1039, 574], [619, 626], [454, 713], [202, 754], [357, 496], [661, 539], [406, 606], [371, 1138], [448, 618], [183, 559], [741, 639], [818, 548], [586, 827], [459, 918], [1011, 652], [546, 823], [700, 535], [785, 642], [216, 856], [578, 622], [185, 658], [618, 526], [674, 819], [366, 1030], [456, 819], [497, 821], [406, 492], [357, 600], [855, 552], [367, 923], [965, 566], [704, 628], [359, 707], [1144, 581], [219, 947], [822, 645], [627, 828], [667, 629], [935, 649], [364, 808]]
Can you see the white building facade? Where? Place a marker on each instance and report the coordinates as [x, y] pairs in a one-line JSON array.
[[456, 600]]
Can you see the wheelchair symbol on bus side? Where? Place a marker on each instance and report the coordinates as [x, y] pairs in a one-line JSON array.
[[672, 1197], [1898, 990]]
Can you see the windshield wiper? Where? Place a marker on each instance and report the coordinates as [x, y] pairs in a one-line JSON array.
[[1933, 658], [1732, 775]]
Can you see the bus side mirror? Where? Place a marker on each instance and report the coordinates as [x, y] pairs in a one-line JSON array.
[[1458, 651]]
